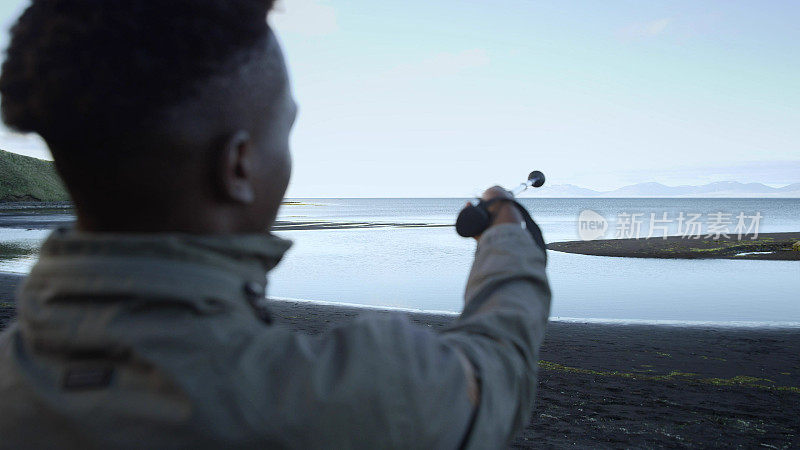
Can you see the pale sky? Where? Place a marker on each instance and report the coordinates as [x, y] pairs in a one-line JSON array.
[[430, 99]]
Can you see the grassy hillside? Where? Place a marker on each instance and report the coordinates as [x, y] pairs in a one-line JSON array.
[[23, 178]]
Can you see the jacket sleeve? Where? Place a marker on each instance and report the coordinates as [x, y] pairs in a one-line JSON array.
[[407, 386], [501, 329]]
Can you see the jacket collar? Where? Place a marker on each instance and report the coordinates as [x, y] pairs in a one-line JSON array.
[[258, 251], [209, 272]]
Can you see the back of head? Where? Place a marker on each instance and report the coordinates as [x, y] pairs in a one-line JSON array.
[[100, 81]]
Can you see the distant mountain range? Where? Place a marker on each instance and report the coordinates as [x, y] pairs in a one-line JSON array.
[[732, 189]]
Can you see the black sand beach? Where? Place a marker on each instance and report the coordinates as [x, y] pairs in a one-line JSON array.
[[615, 386]]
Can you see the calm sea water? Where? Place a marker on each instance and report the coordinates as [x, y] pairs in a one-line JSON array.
[[426, 268]]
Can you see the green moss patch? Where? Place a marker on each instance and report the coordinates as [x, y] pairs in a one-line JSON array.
[[737, 381]]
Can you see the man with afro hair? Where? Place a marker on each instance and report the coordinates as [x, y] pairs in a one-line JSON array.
[[142, 326]]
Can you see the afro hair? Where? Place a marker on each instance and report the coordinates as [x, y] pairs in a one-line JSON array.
[[81, 68]]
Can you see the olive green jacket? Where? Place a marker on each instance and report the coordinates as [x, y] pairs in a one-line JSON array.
[[132, 341]]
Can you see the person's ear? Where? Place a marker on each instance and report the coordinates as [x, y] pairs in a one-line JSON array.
[[235, 171]]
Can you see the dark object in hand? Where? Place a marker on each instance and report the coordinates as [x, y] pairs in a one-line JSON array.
[[473, 220]]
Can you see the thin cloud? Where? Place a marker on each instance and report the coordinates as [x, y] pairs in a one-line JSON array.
[[443, 64], [646, 29]]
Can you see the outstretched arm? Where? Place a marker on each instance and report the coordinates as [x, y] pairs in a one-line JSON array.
[[501, 329], [402, 385]]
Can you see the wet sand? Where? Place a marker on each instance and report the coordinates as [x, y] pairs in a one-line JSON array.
[[613, 386], [766, 246], [50, 216]]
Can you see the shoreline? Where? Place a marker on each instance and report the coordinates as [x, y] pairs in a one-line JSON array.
[[22, 220], [711, 324], [767, 246], [9, 282]]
